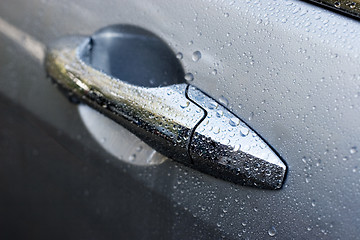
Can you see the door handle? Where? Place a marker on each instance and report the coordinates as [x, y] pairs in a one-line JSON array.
[[175, 118]]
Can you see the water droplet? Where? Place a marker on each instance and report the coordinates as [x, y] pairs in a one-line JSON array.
[[132, 157], [212, 105], [337, 4], [223, 101], [296, 10], [234, 121], [214, 72], [196, 56], [179, 55], [244, 132], [353, 150], [185, 104], [189, 77], [262, 145], [219, 113], [236, 147], [272, 231], [251, 116], [216, 130], [226, 14]]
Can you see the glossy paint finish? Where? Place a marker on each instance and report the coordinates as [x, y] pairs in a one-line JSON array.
[[288, 68]]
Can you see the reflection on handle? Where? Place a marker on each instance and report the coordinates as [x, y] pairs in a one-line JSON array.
[[156, 115]]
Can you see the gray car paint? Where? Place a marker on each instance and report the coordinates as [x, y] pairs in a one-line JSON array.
[[287, 68]]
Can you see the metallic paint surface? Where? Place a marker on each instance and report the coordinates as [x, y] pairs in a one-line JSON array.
[[291, 64]]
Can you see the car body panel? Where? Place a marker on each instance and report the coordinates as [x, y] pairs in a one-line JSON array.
[[289, 69]]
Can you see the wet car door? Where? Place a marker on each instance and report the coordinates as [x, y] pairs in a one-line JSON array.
[[289, 69]]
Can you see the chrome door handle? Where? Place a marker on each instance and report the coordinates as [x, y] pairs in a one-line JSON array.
[[178, 120]]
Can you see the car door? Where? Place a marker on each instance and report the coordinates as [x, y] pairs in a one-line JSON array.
[[288, 69]]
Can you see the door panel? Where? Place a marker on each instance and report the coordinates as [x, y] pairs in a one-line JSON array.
[[289, 69]]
